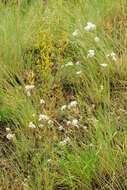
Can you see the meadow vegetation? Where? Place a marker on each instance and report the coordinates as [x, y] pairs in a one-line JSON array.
[[63, 95]]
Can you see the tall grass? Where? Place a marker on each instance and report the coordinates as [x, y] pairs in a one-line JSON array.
[[79, 147]]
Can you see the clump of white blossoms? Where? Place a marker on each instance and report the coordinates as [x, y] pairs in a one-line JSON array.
[[72, 104], [68, 123], [75, 122], [75, 33], [28, 89], [43, 117], [49, 160], [60, 128], [50, 122], [10, 136], [78, 72], [8, 129], [90, 27], [102, 87], [69, 64], [97, 39], [91, 53], [34, 115], [65, 141], [103, 65], [42, 101], [63, 107], [113, 56], [77, 63], [84, 127], [41, 126], [32, 125]]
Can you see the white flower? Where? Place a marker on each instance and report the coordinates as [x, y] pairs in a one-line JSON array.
[[28, 89], [65, 141], [50, 122], [77, 63], [69, 64], [91, 145], [42, 101], [75, 33], [8, 129], [85, 127], [32, 125], [75, 122], [49, 160], [33, 114], [41, 126], [63, 107], [60, 128], [43, 117], [113, 56], [10, 136], [68, 123], [97, 39], [72, 104], [91, 53], [78, 72], [101, 87], [62, 66], [90, 27], [103, 65]]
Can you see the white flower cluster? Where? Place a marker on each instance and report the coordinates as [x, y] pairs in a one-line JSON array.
[[75, 33], [42, 101], [78, 72], [43, 117], [113, 56], [103, 65], [70, 63], [74, 123], [32, 125], [61, 128], [10, 135], [90, 27], [65, 141], [71, 105], [28, 89], [97, 39], [91, 53], [63, 107]]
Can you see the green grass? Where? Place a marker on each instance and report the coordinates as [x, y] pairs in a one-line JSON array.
[[36, 43]]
